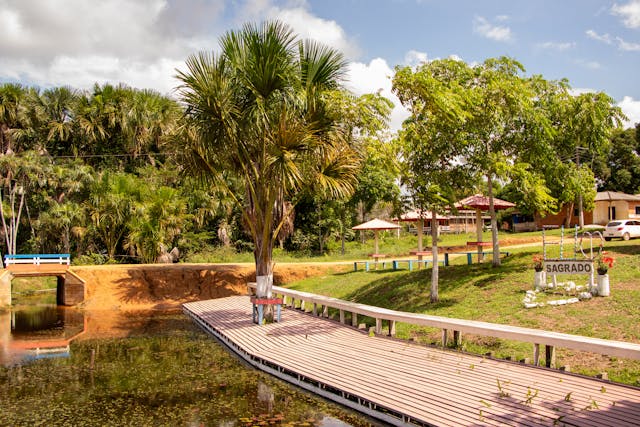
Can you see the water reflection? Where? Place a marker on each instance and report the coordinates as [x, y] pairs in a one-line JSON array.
[[146, 368], [156, 365], [31, 332]]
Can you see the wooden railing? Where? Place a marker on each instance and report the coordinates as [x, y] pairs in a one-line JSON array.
[[37, 259], [319, 305]]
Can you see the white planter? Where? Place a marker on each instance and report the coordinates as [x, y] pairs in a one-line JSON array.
[[603, 285], [264, 285], [539, 280]]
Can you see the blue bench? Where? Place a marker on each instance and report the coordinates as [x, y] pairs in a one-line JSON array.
[[412, 262], [37, 259], [367, 264], [471, 254]]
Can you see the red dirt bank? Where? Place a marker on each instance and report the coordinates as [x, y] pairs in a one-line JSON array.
[[166, 286]]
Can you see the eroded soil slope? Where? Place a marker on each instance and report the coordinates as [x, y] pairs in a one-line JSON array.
[[165, 286]]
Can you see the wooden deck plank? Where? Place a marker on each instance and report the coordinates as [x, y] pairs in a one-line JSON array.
[[434, 386], [560, 396], [485, 370]]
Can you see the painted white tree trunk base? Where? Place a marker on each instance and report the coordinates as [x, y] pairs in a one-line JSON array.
[[264, 286]]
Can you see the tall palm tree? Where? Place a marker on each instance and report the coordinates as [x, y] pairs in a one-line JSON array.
[[12, 97], [258, 111], [110, 206]]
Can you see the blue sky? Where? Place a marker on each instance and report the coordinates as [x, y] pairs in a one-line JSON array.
[[595, 44]]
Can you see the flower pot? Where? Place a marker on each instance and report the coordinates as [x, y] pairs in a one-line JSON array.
[[603, 285], [539, 280]]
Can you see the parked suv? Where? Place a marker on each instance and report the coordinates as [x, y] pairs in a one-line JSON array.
[[624, 229]]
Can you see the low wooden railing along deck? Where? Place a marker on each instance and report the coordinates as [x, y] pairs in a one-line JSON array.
[[319, 305]]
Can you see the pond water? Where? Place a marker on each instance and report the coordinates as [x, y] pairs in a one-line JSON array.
[[60, 366]]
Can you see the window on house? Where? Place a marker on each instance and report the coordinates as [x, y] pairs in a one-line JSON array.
[[637, 210]]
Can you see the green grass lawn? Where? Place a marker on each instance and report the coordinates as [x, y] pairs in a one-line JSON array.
[[389, 244], [481, 292]]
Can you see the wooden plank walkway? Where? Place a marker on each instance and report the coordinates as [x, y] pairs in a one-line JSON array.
[[403, 383]]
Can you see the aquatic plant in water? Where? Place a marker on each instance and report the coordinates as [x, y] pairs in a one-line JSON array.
[[174, 376]]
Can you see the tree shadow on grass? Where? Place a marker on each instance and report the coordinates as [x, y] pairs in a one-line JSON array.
[[410, 291], [625, 250]]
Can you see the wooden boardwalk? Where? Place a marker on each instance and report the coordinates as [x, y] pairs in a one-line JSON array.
[[403, 383]]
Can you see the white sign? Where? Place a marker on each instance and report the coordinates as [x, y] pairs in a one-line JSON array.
[[568, 266]]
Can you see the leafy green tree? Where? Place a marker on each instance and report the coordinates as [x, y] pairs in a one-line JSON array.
[[505, 124], [620, 170], [159, 218], [377, 180], [20, 176], [588, 122], [58, 222], [258, 111], [433, 143], [110, 206]]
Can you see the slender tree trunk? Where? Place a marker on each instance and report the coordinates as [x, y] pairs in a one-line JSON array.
[[342, 242], [494, 224], [580, 212], [434, 253], [569, 214]]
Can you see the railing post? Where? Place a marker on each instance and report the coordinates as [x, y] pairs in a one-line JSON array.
[[342, 316], [536, 354], [444, 337], [315, 309], [550, 356], [378, 326], [325, 311], [392, 328], [354, 319], [457, 338]]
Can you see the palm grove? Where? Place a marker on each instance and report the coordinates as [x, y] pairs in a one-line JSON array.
[[264, 147]]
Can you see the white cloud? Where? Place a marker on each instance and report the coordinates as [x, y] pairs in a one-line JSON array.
[[414, 58], [494, 32], [628, 46], [619, 41], [373, 77], [575, 91], [631, 108], [138, 42], [605, 38], [309, 26], [78, 43], [558, 46], [630, 13], [592, 65]]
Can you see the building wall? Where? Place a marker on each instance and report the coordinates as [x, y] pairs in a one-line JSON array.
[[603, 212], [559, 219]]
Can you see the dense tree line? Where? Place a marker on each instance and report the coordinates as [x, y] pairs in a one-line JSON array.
[[263, 147], [109, 173]]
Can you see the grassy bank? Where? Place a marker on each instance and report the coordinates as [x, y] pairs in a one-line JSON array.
[[480, 292]]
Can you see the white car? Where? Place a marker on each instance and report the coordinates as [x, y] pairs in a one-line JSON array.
[[623, 229]]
